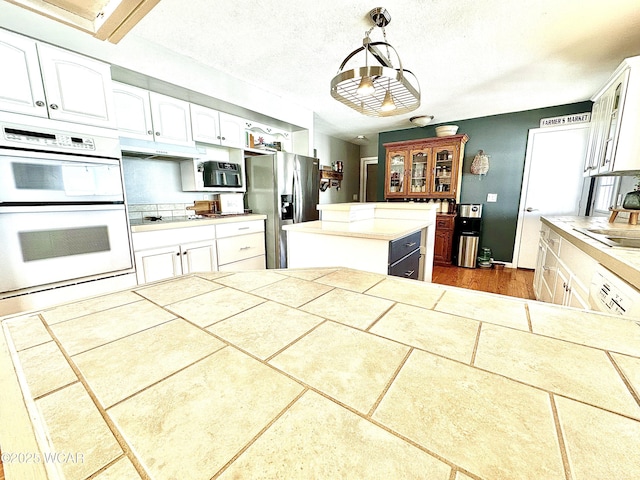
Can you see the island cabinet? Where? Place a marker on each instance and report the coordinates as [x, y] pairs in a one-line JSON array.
[[442, 250], [425, 168], [404, 256]]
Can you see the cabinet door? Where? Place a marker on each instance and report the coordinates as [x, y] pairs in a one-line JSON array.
[[537, 277], [444, 171], [612, 122], [199, 257], [78, 88], [231, 131], [395, 185], [418, 171], [560, 292], [171, 120], [133, 111], [253, 263], [158, 264], [21, 89], [205, 124], [577, 296]]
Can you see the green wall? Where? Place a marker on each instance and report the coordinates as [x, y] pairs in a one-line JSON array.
[[504, 139]]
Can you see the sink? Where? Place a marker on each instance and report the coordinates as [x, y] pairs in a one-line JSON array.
[[613, 237]]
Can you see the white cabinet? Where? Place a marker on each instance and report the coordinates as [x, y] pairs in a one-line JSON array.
[[151, 116], [45, 81], [562, 271], [255, 132], [241, 246], [614, 145], [216, 128], [162, 254]]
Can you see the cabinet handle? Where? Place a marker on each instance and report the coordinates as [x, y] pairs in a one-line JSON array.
[[243, 228], [157, 134], [40, 103], [149, 132], [409, 273], [224, 138], [178, 254], [53, 106], [218, 137], [409, 245], [245, 248]]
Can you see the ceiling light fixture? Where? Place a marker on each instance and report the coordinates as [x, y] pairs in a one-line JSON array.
[[421, 120], [398, 92]]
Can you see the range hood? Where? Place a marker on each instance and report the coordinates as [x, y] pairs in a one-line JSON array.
[[133, 147]]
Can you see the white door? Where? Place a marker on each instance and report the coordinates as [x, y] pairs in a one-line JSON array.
[[171, 119], [552, 184], [21, 89], [133, 111], [78, 88]]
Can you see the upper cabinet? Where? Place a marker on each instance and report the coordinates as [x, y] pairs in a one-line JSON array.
[[151, 116], [50, 82], [614, 143], [425, 168], [216, 128], [265, 137]]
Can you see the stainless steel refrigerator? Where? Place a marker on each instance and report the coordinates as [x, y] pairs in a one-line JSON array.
[[285, 187]]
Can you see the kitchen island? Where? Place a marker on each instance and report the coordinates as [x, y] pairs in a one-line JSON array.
[[317, 373], [374, 237]]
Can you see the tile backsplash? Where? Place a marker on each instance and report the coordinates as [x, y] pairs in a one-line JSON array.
[[164, 210]]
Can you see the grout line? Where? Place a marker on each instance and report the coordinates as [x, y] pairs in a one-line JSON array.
[[393, 304], [453, 474], [561, 441], [106, 467], [528, 314], [259, 434], [627, 383], [475, 346], [389, 383]]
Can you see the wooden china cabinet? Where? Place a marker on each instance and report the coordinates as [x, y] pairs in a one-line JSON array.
[[429, 168]]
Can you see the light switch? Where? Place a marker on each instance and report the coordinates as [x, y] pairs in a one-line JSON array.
[[355, 197], [492, 197]]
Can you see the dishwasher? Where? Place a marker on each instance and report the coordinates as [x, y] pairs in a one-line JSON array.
[[608, 293]]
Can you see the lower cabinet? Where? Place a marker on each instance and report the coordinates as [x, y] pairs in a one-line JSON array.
[[241, 246], [162, 254], [442, 250], [167, 262], [563, 272], [404, 256]]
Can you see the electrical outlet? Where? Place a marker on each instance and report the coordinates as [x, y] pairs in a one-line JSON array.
[[492, 197]]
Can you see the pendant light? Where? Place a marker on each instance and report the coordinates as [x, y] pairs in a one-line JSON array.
[[376, 90]]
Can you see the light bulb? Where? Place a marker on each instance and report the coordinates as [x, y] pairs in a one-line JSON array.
[[366, 87], [388, 103]]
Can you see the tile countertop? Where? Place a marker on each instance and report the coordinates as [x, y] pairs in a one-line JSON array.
[[322, 373], [182, 222], [625, 262], [380, 229]]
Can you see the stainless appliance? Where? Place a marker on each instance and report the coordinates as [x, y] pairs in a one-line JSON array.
[[285, 187], [221, 174], [467, 234], [62, 211]]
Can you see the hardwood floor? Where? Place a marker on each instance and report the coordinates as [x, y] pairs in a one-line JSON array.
[[514, 282]]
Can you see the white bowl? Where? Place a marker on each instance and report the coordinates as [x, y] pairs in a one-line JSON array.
[[446, 130]]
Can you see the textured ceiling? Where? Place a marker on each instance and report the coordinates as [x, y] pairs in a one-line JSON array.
[[472, 58]]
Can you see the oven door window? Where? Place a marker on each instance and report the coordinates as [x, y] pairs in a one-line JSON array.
[[59, 179], [46, 245]]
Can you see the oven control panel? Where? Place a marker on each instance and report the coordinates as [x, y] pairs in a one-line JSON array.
[[43, 139]]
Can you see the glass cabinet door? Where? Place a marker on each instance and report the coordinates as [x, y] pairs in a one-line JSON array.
[[396, 173], [442, 170], [419, 171]]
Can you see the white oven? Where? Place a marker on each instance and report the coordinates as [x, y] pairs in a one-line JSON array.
[[63, 218], [611, 294]]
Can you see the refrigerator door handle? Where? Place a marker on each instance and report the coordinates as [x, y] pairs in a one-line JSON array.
[[297, 197]]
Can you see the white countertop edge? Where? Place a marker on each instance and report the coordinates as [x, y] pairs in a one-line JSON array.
[[361, 229], [196, 222]]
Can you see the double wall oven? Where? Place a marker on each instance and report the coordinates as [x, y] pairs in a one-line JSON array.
[[62, 211]]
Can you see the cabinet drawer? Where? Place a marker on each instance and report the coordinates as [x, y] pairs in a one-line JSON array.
[[553, 241], [239, 228], [233, 249], [406, 267], [254, 263], [403, 246], [172, 236], [444, 222]]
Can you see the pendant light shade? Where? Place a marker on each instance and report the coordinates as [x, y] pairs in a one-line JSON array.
[[376, 90]]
